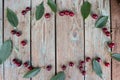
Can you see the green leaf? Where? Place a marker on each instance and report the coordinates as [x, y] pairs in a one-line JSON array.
[[97, 68], [6, 50], [85, 9], [116, 56], [101, 22], [12, 18], [39, 11], [52, 5], [59, 76], [32, 73]]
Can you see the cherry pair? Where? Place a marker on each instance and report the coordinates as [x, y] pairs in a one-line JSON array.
[[15, 32], [106, 32], [25, 11]]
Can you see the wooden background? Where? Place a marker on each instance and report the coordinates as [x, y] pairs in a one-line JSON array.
[[58, 40]]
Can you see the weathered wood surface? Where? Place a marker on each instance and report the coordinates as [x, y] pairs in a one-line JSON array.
[[115, 16], [70, 43], [70, 38], [95, 40], [1, 37], [11, 72], [43, 41]]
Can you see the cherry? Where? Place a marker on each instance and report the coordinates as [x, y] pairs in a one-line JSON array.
[[18, 63], [23, 42], [80, 67], [104, 30], [14, 61], [71, 14], [98, 59], [18, 33], [88, 59], [49, 67], [71, 64], [107, 64], [26, 64], [107, 33], [13, 32], [66, 12], [28, 8], [111, 45], [61, 13], [94, 16], [30, 68], [82, 62], [83, 72], [63, 67], [47, 15], [23, 12]]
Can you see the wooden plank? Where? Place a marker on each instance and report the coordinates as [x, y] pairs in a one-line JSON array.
[[115, 12], [1, 38], [11, 71], [43, 42], [1, 10], [70, 38], [95, 40]]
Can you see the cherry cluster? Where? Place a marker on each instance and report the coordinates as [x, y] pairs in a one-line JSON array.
[[27, 64]]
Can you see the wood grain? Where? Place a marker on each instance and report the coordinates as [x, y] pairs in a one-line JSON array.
[[1, 38], [43, 42], [11, 71], [70, 38], [115, 13], [1, 4], [95, 40]]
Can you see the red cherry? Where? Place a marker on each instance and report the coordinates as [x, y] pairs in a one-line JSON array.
[[23, 43], [111, 45], [104, 30], [88, 59], [63, 67], [107, 33], [83, 73], [98, 59], [107, 64], [49, 67], [13, 32], [47, 15], [23, 12], [30, 68], [14, 61], [18, 33], [80, 67], [66, 12], [94, 16], [71, 64], [71, 14], [61, 13], [26, 64], [28, 8], [82, 62], [18, 63]]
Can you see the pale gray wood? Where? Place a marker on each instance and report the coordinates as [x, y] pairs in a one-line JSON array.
[[43, 42], [70, 38], [11, 71], [95, 40], [1, 38], [1, 9]]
